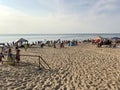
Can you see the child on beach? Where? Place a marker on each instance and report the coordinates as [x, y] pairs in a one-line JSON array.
[[1, 56]]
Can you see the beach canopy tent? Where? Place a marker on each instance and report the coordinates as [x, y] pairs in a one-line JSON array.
[[21, 41], [2, 44]]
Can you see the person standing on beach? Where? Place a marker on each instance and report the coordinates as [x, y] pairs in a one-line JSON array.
[[10, 57], [17, 56], [16, 47], [62, 44], [54, 44], [3, 49], [1, 56], [26, 47]]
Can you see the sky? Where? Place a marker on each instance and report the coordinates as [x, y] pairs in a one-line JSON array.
[[59, 16]]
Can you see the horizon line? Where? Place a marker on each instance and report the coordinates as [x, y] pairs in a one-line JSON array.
[[51, 33]]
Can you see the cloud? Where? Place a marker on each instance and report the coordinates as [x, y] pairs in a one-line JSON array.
[[83, 7], [14, 21], [104, 6]]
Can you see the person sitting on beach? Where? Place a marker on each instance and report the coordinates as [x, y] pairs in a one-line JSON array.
[[17, 56], [1, 56], [10, 57]]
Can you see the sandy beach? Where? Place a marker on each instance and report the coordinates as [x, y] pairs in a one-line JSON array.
[[82, 67]]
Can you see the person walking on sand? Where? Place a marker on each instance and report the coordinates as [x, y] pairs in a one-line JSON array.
[[1, 56]]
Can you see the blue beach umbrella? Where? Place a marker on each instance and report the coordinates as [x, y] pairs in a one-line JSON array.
[[116, 38]]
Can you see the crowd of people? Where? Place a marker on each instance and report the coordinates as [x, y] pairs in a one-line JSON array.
[[56, 43], [15, 58]]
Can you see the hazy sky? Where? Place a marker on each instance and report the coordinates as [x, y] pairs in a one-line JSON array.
[[59, 16]]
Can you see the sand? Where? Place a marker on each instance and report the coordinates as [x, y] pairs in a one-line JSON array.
[[83, 67]]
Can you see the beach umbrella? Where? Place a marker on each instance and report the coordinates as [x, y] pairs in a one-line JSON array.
[[116, 38], [98, 37], [21, 40]]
